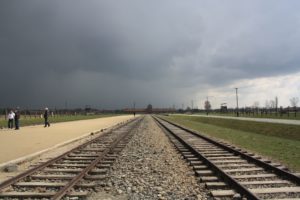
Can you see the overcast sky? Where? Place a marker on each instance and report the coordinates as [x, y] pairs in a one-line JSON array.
[[108, 54]]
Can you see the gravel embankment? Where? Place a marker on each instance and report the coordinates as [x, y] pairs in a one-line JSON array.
[[150, 168]]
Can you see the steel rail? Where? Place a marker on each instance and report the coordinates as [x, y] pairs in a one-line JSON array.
[[29, 172], [44, 165], [277, 171], [63, 191], [238, 187]]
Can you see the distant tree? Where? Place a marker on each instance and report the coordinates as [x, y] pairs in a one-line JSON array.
[[267, 104], [272, 104], [276, 104], [281, 110], [294, 101], [207, 106], [255, 104]]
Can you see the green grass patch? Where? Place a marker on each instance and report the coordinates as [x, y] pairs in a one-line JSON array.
[[284, 150], [285, 131], [59, 118], [290, 116]]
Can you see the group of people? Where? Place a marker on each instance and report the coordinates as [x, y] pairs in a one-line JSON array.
[[15, 117]]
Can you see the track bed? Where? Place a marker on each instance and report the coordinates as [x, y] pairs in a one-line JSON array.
[[230, 172], [74, 173]]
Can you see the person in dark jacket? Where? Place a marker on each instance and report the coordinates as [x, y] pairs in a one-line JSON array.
[[17, 118], [46, 114]]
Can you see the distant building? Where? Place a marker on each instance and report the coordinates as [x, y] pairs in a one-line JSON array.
[[149, 110], [88, 108]]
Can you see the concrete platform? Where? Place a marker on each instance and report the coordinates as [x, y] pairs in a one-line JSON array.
[[17, 145]]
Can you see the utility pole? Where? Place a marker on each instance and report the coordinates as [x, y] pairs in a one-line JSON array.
[[207, 103], [276, 105], [237, 102]]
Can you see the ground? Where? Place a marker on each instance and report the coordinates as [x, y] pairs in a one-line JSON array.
[[293, 121], [30, 139], [278, 142], [150, 168]]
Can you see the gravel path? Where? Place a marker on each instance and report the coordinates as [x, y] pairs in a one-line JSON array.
[[150, 168]]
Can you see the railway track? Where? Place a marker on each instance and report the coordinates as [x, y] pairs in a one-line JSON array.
[[74, 173], [229, 172]]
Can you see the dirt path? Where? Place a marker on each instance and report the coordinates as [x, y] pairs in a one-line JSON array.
[[17, 143]]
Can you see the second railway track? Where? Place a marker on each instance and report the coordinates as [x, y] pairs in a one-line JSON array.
[[230, 172], [72, 174]]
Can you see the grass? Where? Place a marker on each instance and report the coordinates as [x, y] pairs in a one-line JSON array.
[[59, 118], [290, 116], [255, 138], [285, 131]]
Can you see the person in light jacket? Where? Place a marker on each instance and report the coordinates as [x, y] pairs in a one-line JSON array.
[[10, 117]]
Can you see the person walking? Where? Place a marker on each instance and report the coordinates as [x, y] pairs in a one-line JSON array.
[[46, 114], [17, 118], [11, 116]]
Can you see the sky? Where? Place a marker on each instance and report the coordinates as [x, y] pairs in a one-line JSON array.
[[109, 54]]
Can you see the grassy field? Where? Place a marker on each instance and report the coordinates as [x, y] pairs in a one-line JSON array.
[[291, 116], [279, 142], [59, 118]]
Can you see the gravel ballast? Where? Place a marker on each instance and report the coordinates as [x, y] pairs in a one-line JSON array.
[[150, 168]]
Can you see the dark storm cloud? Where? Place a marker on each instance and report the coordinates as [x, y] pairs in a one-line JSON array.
[[65, 36], [110, 53]]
